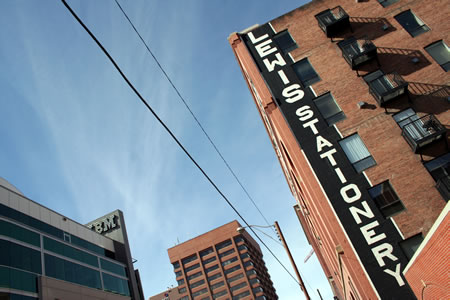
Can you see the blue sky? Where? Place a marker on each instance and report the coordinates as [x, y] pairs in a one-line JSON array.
[[75, 138]]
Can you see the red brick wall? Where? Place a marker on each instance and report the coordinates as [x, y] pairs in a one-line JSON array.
[[428, 273]]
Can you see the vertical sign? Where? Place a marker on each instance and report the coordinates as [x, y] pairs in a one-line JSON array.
[[374, 238]]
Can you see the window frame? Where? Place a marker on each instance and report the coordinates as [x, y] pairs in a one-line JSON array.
[[402, 245], [306, 81], [331, 119], [382, 208], [288, 49], [386, 3], [374, 163], [415, 32], [447, 63]]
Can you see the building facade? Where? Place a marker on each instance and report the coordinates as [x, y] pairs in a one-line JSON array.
[[221, 264], [355, 98], [45, 255]]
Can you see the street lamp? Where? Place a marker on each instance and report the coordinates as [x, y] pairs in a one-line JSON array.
[[283, 241]]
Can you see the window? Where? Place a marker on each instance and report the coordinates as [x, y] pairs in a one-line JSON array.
[[200, 292], [357, 152], [178, 274], [189, 259], [242, 247], [226, 253], [238, 286], [211, 259], [217, 285], [329, 109], [229, 261], [210, 269], [411, 23], [238, 239], [241, 295], [285, 41], [219, 294], [235, 277], [439, 169], [112, 267], [184, 298], [176, 265], [20, 257], [115, 285], [206, 252], [305, 72], [16, 232], [410, 123], [248, 264], [410, 245], [385, 3], [197, 283], [193, 267], [19, 280], [182, 290], [195, 275], [440, 53], [215, 276], [223, 244], [232, 269], [180, 281], [70, 252], [386, 199]]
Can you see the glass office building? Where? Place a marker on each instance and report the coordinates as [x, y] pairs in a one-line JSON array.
[[44, 255]]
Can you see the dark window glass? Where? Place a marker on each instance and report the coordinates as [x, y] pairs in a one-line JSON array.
[[386, 199], [244, 255], [206, 251], [189, 259], [210, 269], [65, 270], [385, 3], [193, 267], [200, 292], [20, 257], [19, 233], [19, 280], [182, 290], [68, 251], [235, 277], [184, 298], [87, 245], [215, 276], [411, 23], [229, 261], [220, 294], [197, 283], [217, 285], [112, 267], [242, 247], [241, 295], [440, 53], [257, 290], [115, 285], [178, 274], [248, 264], [232, 269], [176, 265], [305, 72], [223, 244], [410, 245], [211, 259], [238, 239], [285, 41], [195, 275], [180, 281], [329, 109], [226, 253], [357, 152], [254, 281], [21, 297], [251, 272]]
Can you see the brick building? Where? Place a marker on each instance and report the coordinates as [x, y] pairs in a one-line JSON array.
[[221, 264], [355, 98]]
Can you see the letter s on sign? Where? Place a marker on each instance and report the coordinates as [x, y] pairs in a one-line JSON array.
[[293, 93], [305, 113]]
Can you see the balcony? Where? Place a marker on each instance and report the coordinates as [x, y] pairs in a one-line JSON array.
[[333, 21], [443, 186], [420, 132], [358, 51], [386, 87]]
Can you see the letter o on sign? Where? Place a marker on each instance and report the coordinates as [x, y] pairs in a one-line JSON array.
[[350, 193]]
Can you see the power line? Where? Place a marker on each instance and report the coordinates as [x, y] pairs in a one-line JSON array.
[[189, 109], [170, 132]]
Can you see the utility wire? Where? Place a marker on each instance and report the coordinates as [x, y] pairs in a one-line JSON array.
[[189, 109], [171, 133]]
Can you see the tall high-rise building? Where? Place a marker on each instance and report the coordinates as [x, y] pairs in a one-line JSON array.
[[45, 255], [221, 264], [355, 98]]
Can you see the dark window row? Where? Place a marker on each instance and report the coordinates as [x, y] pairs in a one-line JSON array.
[[211, 259], [232, 269], [193, 267], [18, 280], [70, 252], [206, 251], [65, 270], [241, 295], [189, 259], [53, 231], [115, 285], [215, 276], [20, 257], [229, 261], [182, 290], [235, 277], [238, 286], [200, 292], [226, 253], [180, 281], [217, 285], [223, 244], [113, 267], [176, 265], [178, 274], [197, 283], [195, 275], [220, 294], [215, 267], [19, 233]]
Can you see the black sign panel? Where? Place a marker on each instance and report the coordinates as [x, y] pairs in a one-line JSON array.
[[374, 238]]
